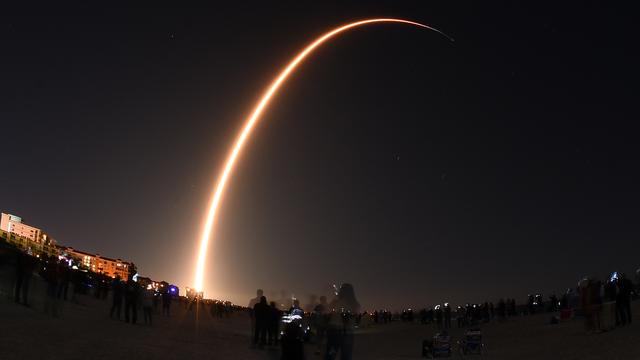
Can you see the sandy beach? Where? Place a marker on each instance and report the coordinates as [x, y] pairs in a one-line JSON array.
[[84, 330]]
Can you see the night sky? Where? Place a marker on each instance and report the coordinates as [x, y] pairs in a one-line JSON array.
[[419, 170]]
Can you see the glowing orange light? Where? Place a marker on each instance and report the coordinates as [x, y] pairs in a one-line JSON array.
[[251, 121]]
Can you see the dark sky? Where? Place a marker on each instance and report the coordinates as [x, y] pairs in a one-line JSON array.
[[418, 169]]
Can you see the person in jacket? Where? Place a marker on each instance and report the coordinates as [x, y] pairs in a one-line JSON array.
[[341, 325]]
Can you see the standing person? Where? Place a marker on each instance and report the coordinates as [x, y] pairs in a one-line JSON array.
[[320, 321], [341, 325], [313, 301], [530, 306], [20, 275], [486, 315], [25, 265], [623, 299], [261, 314], [65, 277], [166, 302], [293, 336], [447, 316], [221, 309], [253, 303], [460, 316], [596, 303], [438, 314], [118, 291], [77, 278], [104, 287], [51, 277], [156, 301], [147, 304], [586, 303], [273, 326], [423, 316], [131, 301]]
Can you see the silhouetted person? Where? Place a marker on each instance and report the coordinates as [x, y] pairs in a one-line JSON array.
[[261, 314], [78, 287], [313, 301], [51, 277], [166, 302], [553, 303], [460, 315], [118, 294], [220, 310], [623, 299], [156, 302], [564, 301], [596, 303], [104, 287], [438, 314], [341, 324], [131, 301], [320, 322], [193, 302], [273, 325], [65, 278], [293, 337], [147, 304], [530, 306], [253, 303], [447, 316], [25, 265], [502, 309], [587, 304], [486, 316], [20, 270]]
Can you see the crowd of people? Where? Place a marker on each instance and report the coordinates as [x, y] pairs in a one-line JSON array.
[[265, 320], [64, 283], [57, 275], [135, 296], [332, 323], [604, 305], [332, 336]]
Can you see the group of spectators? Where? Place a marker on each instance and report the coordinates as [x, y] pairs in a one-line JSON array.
[[63, 283], [332, 323], [265, 320], [57, 276], [134, 296], [606, 305]]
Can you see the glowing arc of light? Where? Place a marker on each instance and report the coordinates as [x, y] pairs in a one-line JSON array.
[[251, 121]]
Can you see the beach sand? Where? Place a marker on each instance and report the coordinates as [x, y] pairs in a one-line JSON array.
[[85, 331]]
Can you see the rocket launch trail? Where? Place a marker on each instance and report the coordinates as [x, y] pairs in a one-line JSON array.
[[250, 122]]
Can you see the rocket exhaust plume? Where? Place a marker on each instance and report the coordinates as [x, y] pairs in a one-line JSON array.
[[253, 119]]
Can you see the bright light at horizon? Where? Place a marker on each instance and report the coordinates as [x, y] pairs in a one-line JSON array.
[[249, 124]]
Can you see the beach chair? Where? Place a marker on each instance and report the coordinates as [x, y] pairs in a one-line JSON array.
[[472, 344], [438, 346]]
